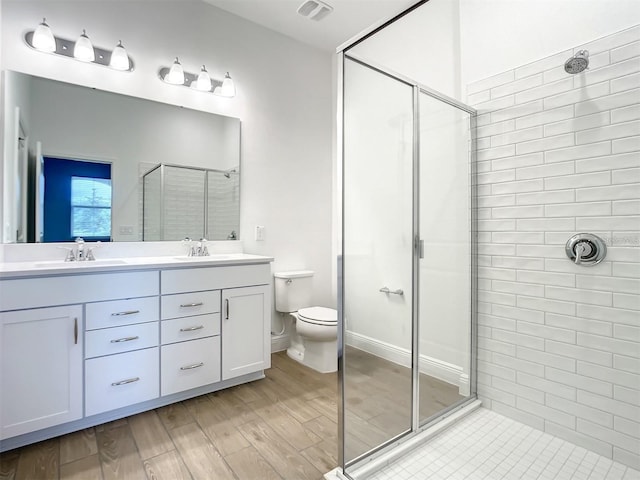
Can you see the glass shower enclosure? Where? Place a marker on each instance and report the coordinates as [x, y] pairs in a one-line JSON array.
[[179, 202], [406, 295]]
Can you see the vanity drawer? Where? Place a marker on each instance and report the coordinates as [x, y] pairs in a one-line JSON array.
[[120, 380], [189, 365], [189, 328], [214, 278], [108, 341], [187, 304], [121, 312], [81, 288]]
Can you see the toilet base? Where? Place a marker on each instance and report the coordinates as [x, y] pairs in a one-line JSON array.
[[295, 352], [319, 356]]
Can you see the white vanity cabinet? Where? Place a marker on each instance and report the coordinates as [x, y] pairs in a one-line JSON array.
[[40, 369], [121, 353], [42, 335], [190, 334], [82, 348], [245, 347], [243, 321]]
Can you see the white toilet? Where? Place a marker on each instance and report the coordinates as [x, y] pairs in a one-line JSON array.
[[314, 341]]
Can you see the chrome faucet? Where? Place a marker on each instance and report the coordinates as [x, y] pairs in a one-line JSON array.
[[80, 253], [201, 249], [232, 236]]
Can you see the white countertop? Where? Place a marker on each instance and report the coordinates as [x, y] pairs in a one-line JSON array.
[[58, 267]]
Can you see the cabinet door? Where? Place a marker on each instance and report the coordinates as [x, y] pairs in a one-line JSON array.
[[246, 324], [40, 369]]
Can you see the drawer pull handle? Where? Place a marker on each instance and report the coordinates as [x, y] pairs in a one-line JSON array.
[[197, 304], [126, 312], [191, 367], [125, 339], [191, 329], [124, 382]]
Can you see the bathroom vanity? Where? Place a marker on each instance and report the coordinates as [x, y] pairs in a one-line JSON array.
[[83, 343]]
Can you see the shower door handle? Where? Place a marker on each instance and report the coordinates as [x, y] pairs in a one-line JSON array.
[[392, 292]]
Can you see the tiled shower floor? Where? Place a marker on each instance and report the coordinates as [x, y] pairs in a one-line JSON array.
[[488, 446]]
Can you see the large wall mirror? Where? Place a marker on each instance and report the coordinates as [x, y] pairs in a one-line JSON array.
[[80, 161]]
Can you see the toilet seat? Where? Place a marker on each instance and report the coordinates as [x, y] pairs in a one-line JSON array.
[[319, 315]]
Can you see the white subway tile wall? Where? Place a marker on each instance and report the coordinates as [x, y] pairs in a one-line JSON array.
[[559, 344]]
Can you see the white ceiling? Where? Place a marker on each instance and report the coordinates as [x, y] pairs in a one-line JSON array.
[[349, 17]]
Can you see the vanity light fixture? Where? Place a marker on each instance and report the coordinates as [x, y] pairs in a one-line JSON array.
[[201, 82], [228, 88], [83, 49], [176, 74], [43, 40], [119, 58]]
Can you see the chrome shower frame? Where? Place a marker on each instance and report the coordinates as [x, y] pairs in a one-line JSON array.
[[416, 426]]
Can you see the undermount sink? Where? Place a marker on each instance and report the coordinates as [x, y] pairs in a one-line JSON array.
[[87, 263]]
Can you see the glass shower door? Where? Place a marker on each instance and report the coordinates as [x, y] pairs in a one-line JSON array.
[[444, 268], [377, 257]]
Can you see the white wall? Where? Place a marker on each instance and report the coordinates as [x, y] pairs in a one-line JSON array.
[[498, 35], [423, 45], [283, 101]]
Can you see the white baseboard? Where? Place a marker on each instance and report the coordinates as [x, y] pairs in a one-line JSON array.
[[279, 342], [445, 371]]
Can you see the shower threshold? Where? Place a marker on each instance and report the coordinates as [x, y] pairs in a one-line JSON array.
[[404, 448]]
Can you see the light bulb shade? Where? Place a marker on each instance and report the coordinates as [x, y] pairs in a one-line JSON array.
[[228, 88], [83, 49], [43, 39], [119, 58], [176, 74], [203, 83]]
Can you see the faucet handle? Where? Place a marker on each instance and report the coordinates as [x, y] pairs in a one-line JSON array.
[[189, 243], [89, 255], [70, 257], [204, 251]]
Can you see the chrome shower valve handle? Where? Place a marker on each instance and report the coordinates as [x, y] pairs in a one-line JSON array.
[[586, 249]]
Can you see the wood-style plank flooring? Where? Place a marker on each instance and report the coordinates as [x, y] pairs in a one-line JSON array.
[[378, 400], [283, 427]]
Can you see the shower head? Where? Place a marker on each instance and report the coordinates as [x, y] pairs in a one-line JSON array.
[[229, 172], [578, 63]]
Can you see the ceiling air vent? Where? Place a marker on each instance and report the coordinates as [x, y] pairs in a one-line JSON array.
[[314, 9]]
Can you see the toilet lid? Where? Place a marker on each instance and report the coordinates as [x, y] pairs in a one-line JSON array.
[[319, 315]]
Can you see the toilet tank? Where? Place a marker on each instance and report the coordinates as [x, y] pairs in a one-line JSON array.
[[293, 290]]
